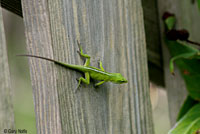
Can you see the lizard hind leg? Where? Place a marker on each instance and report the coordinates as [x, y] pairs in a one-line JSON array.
[[101, 66], [87, 63], [85, 80]]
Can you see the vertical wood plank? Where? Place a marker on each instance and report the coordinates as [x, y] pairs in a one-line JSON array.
[[6, 93], [188, 17], [43, 74], [112, 31]]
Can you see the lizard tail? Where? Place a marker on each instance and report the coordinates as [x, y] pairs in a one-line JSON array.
[[28, 55], [74, 67]]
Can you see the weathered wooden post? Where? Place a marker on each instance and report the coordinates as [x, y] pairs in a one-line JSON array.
[[6, 104]]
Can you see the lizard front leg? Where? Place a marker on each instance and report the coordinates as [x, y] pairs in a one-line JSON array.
[[87, 63], [101, 66], [98, 84]]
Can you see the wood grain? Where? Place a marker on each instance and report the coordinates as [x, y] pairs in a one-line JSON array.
[[6, 93], [188, 17], [112, 31]]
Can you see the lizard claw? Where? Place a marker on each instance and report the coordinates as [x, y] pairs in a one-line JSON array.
[[99, 61], [77, 86], [79, 45], [76, 89], [78, 52]]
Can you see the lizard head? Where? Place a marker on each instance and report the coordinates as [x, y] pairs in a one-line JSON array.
[[118, 78]]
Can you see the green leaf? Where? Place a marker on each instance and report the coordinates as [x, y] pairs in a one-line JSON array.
[[189, 124], [170, 22], [189, 65], [187, 105], [198, 2]]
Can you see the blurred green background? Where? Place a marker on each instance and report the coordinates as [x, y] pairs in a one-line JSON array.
[[19, 71], [20, 78]]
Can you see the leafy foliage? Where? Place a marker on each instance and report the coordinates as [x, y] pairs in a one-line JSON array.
[[187, 58], [198, 2], [190, 123], [188, 104]]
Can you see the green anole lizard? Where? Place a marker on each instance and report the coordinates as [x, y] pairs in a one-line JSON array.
[[90, 72]]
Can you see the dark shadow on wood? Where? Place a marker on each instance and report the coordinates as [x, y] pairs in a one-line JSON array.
[[13, 5]]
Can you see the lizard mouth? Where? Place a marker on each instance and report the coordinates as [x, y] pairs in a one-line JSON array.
[[124, 81]]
